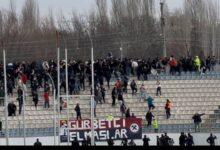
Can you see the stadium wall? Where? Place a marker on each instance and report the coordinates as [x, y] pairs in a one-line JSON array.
[[199, 139]]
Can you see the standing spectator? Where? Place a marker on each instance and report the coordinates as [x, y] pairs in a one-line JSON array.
[[158, 141], [88, 139], [168, 108], [82, 80], [133, 86], [158, 88], [125, 84], [208, 63], [124, 142], [162, 140], [114, 95], [211, 139], [189, 140], [20, 100], [132, 143], [98, 95], [146, 141], [213, 63], [134, 67], [197, 63], [37, 143], [149, 116], [75, 144], [35, 98], [34, 85], [155, 124], [110, 142], [84, 142], [120, 97], [46, 100], [23, 78], [127, 113], [12, 109], [78, 112], [142, 92], [10, 87], [118, 85], [103, 92], [61, 104], [95, 104], [122, 109], [150, 102], [197, 121], [182, 139], [173, 64], [167, 140], [2, 96]]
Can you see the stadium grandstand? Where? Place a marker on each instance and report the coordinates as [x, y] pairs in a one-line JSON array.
[[121, 75], [193, 91]]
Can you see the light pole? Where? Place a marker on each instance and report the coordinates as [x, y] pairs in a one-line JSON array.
[[58, 81], [67, 86], [6, 98], [67, 92], [163, 27], [54, 101], [92, 96]]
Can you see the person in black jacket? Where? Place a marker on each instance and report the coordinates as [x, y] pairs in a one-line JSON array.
[[158, 141], [124, 142], [12, 109], [189, 140], [211, 139], [78, 112], [182, 139], [37, 143], [84, 142], [127, 113], [133, 86], [2, 95], [114, 95], [122, 109], [20, 100], [146, 141], [149, 117], [120, 96], [88, 139], [167, 140], [110, 142], [75, 144], [102, 88], [35, 98], [197, 121], [132, 143]]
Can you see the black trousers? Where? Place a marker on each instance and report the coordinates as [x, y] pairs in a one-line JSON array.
[[158, 91], [113, 100], [168, 113]]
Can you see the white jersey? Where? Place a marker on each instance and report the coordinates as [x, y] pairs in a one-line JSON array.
[[134, 64]]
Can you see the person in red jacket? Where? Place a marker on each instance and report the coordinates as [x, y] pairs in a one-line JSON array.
[[118, 85], [168, 108], [23, 78], [46, 100]]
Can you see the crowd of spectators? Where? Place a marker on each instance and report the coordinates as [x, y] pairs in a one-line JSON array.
[[163, 140], [19, 74]]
